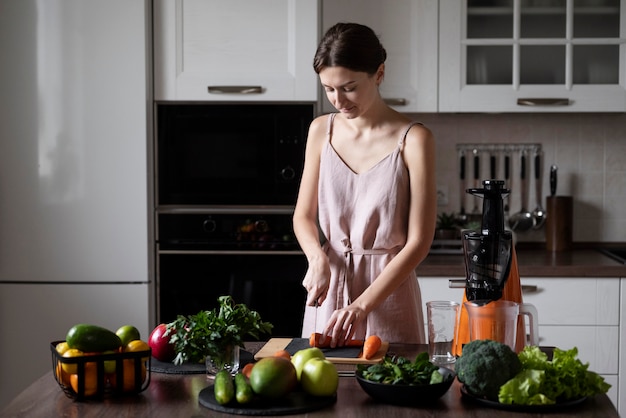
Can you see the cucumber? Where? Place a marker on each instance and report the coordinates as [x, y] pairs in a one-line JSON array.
[[243, 390], [224, 388], [92, 338]]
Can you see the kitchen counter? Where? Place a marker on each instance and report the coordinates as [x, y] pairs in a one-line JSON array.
[[534, 263], [176, 395]]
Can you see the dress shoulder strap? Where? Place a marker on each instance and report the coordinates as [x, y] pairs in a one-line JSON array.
[[406, 132], [329, 127]]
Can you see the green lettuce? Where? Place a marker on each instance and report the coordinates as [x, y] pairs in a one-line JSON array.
[[544, 382]]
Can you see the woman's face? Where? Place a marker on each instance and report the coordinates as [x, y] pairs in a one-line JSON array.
[[350, 92]]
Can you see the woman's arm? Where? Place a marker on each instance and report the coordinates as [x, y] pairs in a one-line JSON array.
[[419, 157], [317, 278]]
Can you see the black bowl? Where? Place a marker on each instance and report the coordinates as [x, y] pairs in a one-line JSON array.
[[407, 394]]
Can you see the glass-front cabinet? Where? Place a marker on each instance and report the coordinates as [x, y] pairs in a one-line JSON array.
[[532, 55]]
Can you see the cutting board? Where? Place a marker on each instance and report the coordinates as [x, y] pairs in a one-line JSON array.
[[341, 355]]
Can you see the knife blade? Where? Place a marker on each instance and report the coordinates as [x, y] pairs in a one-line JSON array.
[[315, 305]]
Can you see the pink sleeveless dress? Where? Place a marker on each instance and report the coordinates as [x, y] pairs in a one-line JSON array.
[[364, 220]]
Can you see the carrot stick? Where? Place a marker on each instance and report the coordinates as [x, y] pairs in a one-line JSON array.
[[354, 343], [371, 346], [319, 340], [323, 341]]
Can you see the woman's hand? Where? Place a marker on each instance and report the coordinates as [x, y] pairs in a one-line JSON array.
[[342, 324], [317, 280]]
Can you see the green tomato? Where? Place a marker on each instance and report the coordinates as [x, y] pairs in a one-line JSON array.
[[109, 365], [127, 333]]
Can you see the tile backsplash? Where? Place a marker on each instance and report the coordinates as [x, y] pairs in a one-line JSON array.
[[589, 150]]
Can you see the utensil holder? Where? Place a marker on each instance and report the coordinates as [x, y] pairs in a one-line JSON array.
[[559, 221]]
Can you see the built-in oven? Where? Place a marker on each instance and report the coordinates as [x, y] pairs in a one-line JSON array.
[[226, 183], [248, 253]]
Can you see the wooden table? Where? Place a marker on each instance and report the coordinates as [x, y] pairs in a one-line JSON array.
[[173, 396]]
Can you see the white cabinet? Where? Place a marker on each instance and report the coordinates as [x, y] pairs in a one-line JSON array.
[[239, 50], [526, 56], [584, 313], [408, 31]]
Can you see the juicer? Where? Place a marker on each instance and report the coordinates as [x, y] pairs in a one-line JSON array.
[[488, 251], [491, 274]]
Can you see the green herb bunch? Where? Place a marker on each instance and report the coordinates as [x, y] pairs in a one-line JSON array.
[[212, 332]]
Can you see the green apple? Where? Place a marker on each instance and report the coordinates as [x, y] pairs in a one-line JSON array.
[[319, 377], [300, 357]]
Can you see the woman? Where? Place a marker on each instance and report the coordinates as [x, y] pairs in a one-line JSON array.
[[369, 180]]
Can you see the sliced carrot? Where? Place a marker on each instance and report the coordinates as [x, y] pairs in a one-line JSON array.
[[371, 346]]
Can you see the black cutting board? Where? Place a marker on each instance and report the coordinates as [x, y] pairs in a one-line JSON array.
[[343, 355]]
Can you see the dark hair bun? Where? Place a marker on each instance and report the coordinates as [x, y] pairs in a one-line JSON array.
[[350, 45]]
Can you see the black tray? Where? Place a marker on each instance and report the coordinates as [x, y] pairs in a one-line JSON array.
[[294, 403], [162, 367], [522, 408]]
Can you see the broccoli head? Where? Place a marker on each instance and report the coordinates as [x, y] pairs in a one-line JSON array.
[[485, 366]]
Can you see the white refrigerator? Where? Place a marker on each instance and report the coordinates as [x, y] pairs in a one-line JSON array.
[[74, 214]]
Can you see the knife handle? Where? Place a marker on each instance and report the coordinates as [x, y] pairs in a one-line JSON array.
[[553, 179]]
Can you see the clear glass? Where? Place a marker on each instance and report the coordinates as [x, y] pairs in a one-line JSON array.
[[489, 19], [542, 64], [443, 320], [543, 19], [596, 18], [227, 359], [489, 64], [596, 64]]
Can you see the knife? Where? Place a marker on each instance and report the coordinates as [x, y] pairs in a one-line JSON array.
[[315, 305], [553, 179], [476, 179]]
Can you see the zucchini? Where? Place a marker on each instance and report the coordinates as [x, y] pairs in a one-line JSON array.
[[92, 338], [224, 388], [243, 390]]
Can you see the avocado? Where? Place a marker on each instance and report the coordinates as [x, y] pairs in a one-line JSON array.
[[92, 338]]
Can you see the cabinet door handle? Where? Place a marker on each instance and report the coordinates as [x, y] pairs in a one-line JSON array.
[[235, 89], [543, 102], [529, 288], [395, 101], [460, 283], [456, 283]]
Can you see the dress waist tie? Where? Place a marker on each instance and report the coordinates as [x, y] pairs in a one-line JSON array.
[[347, 274]]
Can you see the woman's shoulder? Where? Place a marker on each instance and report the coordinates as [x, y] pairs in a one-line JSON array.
[[418, 132], [419, 143], [318, 134], [320, 128], [321, 123]]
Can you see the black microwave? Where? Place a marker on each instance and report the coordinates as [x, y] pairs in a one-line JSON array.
[[230, 154]]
